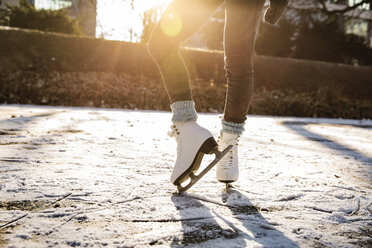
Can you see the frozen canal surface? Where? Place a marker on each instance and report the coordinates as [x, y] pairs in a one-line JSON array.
[[84, 177]]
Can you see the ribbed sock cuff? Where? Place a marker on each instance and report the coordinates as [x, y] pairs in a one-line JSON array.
[[184, 111], [232, 127]]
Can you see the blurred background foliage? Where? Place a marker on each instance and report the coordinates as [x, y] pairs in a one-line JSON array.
[[68, 70], [299, 34], [312, 34], [58, 69], [313, 39], [25, 15]]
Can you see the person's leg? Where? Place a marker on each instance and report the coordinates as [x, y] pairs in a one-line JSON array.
[[181, 19], [242, 22]]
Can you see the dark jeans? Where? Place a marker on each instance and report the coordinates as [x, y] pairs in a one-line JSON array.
[[181, 19]]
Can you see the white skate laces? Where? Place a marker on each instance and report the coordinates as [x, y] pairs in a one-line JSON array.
[[175, 134], [228, 161], [228, 169]]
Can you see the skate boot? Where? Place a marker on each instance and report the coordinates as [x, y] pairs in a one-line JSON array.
[[228, 169], [193, 142]]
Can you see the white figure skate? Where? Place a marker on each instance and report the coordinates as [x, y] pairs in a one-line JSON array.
[[228, 168], [193, 141]]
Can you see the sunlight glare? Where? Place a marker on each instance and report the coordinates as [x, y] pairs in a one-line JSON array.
[[117, 20], [171, 23]]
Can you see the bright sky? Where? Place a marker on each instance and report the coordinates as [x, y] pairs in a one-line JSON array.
[[115, 18]]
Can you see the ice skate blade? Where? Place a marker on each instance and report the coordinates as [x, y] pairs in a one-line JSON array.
[[228, 186], [227, 181], [195, 178]]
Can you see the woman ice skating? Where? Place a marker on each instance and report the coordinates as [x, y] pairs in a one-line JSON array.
[[181, 19]]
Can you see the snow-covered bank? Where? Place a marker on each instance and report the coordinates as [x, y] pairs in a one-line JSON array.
[[96, 177]]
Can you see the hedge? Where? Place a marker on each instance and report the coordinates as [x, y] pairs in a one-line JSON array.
[[56, 69]]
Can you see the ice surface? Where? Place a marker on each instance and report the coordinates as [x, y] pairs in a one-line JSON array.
[[85, 177]]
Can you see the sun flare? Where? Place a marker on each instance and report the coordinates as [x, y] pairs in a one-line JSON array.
[[171, 24], [119, 20]]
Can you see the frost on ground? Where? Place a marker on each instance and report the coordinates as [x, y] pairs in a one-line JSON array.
[[80, 177]]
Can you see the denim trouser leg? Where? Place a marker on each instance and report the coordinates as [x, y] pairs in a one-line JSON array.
[[241, 26]]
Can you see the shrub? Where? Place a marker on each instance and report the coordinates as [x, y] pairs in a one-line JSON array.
[[26, 16], [325, 41], [121, 90], [58, 69]]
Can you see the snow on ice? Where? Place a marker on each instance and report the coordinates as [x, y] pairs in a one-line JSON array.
[[85, 177]]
